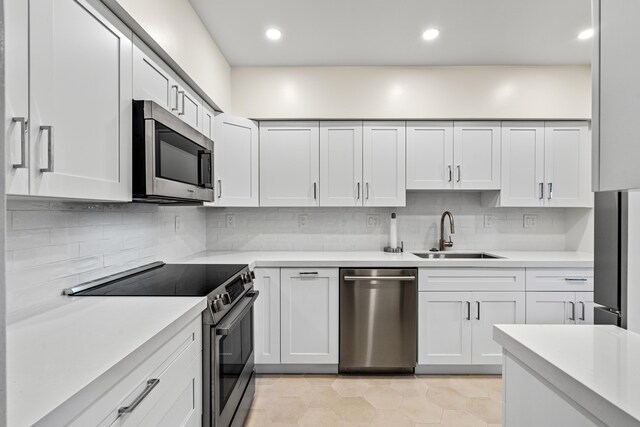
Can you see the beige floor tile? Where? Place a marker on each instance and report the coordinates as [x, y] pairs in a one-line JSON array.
[[391, 417], [265, 379], [486, 409], [319, 417], [350, 387], [257, 418], [291, 386], [383, 397], [412, 388], [263, 397], [320, 397], [496, 395], [437, 380], [354, 409], [461, 419], [421, 410], [319, 379], [446, 397], [286, 409], [469, 386]]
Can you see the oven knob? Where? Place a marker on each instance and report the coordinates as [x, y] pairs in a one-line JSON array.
[[252, 274], [217, 305], [226, 298], [245, 278]]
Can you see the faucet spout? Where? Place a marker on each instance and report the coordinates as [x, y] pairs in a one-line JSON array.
[[442, 243]]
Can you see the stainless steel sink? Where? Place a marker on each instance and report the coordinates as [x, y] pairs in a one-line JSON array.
[[455, 255]]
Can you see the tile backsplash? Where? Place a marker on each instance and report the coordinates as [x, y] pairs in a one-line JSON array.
[[54, 245], [368, 228]]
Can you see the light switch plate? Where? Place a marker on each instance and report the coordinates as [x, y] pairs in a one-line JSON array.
[[303, 220], [231, 221], [488, 221], [373, 221], [529, 221], [178, 225]]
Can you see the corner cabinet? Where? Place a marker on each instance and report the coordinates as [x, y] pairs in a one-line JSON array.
[[383, 168], [289, 163], [76, 140], [236, 161], [309, 316]]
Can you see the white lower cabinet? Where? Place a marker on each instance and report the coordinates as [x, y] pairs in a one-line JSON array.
[[456, 328], [267, 316], [558, 308], [309, 316]]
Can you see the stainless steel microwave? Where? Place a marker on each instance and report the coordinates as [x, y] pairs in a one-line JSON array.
[[172, 162]]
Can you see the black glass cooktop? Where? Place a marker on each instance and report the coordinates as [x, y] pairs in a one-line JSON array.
[[169, 280]]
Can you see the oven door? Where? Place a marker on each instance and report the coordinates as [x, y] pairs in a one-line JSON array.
[[233, 361]]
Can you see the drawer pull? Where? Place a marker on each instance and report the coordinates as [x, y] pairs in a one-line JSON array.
[[575, 279], [151, 384], [308, 273]]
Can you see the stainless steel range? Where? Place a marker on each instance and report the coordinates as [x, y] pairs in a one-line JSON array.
[[228, 360]]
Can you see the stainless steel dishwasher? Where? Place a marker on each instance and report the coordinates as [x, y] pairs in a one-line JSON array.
[[378, 320]]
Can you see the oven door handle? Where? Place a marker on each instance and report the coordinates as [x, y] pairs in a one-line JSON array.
[[237, 313]]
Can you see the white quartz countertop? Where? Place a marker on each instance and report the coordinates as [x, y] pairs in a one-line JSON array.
[[383, 259], [596, 366], [56, 354]]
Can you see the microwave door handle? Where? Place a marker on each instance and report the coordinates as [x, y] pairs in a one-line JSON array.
[[206, 180]]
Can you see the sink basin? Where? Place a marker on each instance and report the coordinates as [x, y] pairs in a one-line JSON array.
[[455, 255]]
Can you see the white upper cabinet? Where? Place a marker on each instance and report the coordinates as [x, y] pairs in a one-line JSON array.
[[384, 164], [80, 101], [289, 163], [522, 164], [236, 161], [208, 122], [476, 148], [189, 107], [341, 164], [567, 168], [16, 61], [616, 91], [429, 155]]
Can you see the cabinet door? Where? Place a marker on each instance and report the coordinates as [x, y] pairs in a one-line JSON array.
[[567, 164], [267, 316], [236, 161], [309, 316], [16, 87], [552, 308], [384, 164], [208, 122], [476, 155], [151, 80], [341, 164], [190, 108], [444, 328], [584, 308], [289, 163], [489, 309], [429, 155], [522, 164], [80, 101]]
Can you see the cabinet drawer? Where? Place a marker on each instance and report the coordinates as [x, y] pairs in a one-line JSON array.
[[560, 279], [471, 279], [177, 396]]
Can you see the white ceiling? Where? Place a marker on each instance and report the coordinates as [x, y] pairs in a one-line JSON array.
[[389, 32]]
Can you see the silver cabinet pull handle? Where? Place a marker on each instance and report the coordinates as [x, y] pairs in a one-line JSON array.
[[575, 279], [541, 196], [450, 173], [477, 310], [219, 188], [459, 173], [308, 273], [550, 191], [181, 113], [23, 142], [315, 191], [49, 130], [358, 189], [583, 310], [397, 278], [176, 88], [468, 311], [151, 384], [573, 310], [367, 185]]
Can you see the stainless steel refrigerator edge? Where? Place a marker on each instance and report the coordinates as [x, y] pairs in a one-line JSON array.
[[378, 320], [610, 257]]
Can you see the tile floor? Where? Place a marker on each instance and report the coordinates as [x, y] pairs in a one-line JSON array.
[[395, 401]]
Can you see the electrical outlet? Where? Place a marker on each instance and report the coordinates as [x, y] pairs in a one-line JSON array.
[[303, 219], [488, 221], [231, 221], [373, 221], [178, 224], [529, 221]]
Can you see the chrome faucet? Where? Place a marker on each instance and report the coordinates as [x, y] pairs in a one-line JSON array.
[[442, 243]]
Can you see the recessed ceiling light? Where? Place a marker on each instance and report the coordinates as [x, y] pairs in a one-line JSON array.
[[431, 34], [586, 34], [273, 34]]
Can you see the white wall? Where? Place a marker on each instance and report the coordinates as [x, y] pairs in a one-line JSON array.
[[502, 92], [178, 30], [55, 245], [418, 223]]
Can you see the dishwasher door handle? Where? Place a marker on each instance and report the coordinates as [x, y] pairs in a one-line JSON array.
[[400, 278]]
